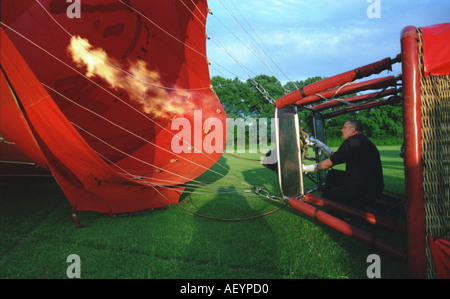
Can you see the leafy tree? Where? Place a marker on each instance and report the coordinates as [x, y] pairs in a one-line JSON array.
[[252, 99]]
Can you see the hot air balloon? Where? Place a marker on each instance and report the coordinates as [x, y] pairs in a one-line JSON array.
[[91, 91]]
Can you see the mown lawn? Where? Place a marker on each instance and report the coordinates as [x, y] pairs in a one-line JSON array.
[[38, 233]]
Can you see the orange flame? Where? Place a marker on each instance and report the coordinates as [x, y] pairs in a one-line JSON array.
[[143, 85]]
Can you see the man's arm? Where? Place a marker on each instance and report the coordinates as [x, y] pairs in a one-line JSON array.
[[325, 164]]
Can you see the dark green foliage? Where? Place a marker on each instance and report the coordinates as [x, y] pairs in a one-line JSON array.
[[252, 100]]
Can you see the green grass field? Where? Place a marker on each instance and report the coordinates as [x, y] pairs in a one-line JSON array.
[[38, 233]]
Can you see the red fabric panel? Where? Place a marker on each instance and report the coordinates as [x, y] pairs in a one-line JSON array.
[[87, 181], [14, 129], [24, 159], [440, 250], [169, 36], [436, 49], [171, 41]]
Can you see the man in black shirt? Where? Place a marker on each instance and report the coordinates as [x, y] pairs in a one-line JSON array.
[[362, 181]]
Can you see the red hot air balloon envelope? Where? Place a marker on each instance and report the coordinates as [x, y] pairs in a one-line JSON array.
[[93, 98]]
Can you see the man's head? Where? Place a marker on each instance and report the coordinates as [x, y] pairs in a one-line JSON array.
[[350, 128]]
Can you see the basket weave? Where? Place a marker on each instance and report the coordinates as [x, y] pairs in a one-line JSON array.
[[435, 109]]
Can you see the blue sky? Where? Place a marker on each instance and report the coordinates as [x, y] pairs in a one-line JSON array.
[[309, 38]]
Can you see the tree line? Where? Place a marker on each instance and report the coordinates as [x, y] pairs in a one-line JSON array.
[[248, 99]]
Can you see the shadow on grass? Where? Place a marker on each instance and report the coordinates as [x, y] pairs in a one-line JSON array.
[[210, 176], [230, 241], [233, 247]]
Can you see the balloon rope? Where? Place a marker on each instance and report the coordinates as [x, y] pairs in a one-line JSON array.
[[258, 189], [53, 56], [145, 180], [67, 32], [167, 183], [169, 34], [121, 100], [125, 130], [107, 91], [200, 184], [216, 218], [117, 67], [267, 50], [251, 41]]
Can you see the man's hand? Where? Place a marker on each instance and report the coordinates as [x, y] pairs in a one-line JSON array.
[[310, 168]]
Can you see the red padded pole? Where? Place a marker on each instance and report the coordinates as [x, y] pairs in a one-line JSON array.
[[355, 99], [337, 80], [364, 106], [348, 89], [366, 216], [412, 127], [346, 228]]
